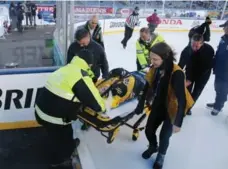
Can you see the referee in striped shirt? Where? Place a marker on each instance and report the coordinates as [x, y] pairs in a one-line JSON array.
[[130, 24]]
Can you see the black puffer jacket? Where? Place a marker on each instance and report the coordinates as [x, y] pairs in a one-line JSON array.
[[100, 60], [197, 63]]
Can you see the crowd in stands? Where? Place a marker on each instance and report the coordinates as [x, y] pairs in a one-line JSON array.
[[187, 8], [195, 5]]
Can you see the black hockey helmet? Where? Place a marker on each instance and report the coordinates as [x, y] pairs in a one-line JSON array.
[[118, 72]]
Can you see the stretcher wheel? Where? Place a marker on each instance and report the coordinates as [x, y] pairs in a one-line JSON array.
[[135, 135], [112, 136]]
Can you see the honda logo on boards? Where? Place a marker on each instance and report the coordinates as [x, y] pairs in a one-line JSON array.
[[171, 22]]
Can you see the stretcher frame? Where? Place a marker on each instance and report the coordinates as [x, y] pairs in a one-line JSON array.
[[109, 128]]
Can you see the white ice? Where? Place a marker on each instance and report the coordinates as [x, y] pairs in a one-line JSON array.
[[202, 142]]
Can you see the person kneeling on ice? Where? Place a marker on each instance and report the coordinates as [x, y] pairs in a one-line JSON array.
[[166, 96], [143, 45], [66, 92]]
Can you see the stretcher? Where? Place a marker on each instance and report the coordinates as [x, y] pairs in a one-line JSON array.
[[109, 127]]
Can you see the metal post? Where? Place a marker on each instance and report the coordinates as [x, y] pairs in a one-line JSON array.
[[145, 8], [224, 9], [163, 6], [217, 4], [191, 4], [72, 21], [65, 29]]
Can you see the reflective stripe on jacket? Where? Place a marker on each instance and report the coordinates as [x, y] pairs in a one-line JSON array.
[[66, 91]]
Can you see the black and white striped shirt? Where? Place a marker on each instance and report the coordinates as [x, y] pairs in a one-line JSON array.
[[132, 21]]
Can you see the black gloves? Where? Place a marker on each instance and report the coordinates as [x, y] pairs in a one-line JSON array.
[[140, 107]]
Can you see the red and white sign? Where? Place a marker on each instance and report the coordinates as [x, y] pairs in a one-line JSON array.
[[93, 10], [125, 11], [171, 22], [45, 8]]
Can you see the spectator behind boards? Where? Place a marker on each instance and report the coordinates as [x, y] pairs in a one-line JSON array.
[[83, 41], [94, 29]]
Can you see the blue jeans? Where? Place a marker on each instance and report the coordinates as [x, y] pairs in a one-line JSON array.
[[221, 89]]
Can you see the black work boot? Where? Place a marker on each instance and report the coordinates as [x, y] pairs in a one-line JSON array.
[[124, 45], [158, 164], [215, 112], [148, 153], [77, 142], [67, 164], [189, 113], [75, 152], [210, 106]]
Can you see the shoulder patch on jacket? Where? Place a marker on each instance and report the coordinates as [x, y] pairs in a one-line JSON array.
[[84, 73]]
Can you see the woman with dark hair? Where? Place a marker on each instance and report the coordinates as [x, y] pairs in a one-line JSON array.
[[167, 99]]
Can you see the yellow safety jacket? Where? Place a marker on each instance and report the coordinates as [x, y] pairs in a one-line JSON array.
[[142, 53], [65, 91]]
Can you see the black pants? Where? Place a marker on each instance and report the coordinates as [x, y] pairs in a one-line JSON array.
[[152, 27], [34, 19], [221, 89], [154, 121], [61, 142], [127, 35], [28, 17], [198, 85], [19, 25]]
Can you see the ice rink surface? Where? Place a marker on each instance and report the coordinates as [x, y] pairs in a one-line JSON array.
[[202, 142]]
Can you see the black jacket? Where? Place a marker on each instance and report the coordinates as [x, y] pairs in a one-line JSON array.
[[203, 29], [97, 34], [197, 63], [159, 105], [100, 61], [33, 9]]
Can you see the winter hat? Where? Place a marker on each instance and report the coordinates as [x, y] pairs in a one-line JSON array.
[[136, 8], [87, 56], [208, 20], [81, 33]]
